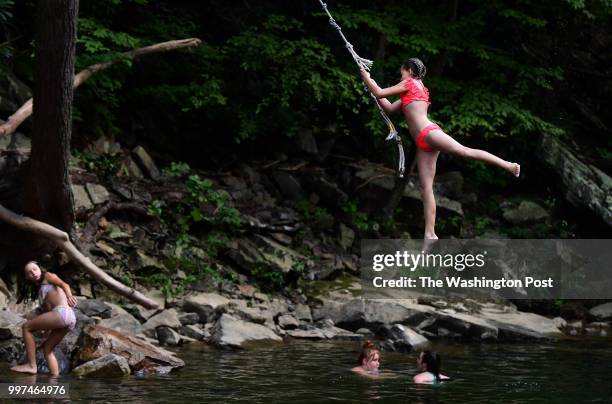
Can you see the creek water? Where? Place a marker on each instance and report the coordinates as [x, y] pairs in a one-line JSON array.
[[309, 372]]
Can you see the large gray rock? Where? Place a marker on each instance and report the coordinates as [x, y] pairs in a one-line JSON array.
[[167, 318], [81, 198], [263, 252], [142, 314], [189, 318], [194, 331], [10, 325], [337, 333], [312, 334], [132, 169], [230, 332], [167, 336], [527, 211], [109, 365], [253, 314], [105, 145], [10, 318], [306, 141], [288, 185], [585, 185], [303, 313], [449, 184], [11, 350], [121, 321], [94, 307], [376, 178], [207, 305], [492, 322], [145, 162], [288, 322], [97, 193], [347, 236], [15, 141], [96, 342], [4, 298], [399, 338], [358, 313], [602, 312]]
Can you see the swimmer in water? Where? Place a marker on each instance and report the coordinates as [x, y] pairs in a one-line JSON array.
[[368, 361], [429, 362]]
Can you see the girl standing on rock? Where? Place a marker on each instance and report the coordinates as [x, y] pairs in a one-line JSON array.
[[429, 138], [369, 360], [54, 314]]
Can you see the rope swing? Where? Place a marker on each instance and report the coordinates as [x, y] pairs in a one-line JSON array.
[[366, 64]]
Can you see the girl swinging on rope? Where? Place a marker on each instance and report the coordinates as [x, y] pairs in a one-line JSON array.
[[429, 138]]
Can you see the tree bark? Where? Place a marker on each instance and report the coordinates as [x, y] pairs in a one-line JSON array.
[[47, 194]]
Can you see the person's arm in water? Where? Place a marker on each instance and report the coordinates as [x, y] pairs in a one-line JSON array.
[[54, 279], [426, 378], [382, 92]]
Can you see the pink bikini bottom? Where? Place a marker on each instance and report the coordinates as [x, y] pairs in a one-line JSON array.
[[68, 316], [420, 140]]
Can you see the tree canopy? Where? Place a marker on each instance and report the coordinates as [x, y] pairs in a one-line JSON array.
[[267, 69]]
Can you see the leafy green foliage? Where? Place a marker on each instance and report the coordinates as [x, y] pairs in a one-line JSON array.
[[6, 10], [176, 169], [105, 165], [482, 175], [357, 218], [200, 204], [311, 214]]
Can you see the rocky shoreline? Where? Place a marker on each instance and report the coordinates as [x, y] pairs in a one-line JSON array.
[[289, 269], [110, 339]]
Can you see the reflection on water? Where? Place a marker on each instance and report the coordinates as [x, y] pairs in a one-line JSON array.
[[301, 372]]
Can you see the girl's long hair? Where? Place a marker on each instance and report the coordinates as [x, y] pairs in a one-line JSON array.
[[433, 361], [30, 289], [367, 352]]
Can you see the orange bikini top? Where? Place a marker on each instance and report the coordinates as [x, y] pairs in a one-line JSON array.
[[414, 93]]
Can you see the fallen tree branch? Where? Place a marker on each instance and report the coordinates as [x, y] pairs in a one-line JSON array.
[[24, 112], [61, 239]]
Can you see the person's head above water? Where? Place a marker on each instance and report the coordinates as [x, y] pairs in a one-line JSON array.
[[414, 68], [33, 272], [369, 359], [429, 361]]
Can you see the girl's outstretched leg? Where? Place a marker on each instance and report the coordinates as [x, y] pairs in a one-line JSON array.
[[45, 321], [426, 163], [54, 338], [439, 140]]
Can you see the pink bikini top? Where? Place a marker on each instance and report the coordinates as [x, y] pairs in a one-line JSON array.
[[414, 93], [42, 292]]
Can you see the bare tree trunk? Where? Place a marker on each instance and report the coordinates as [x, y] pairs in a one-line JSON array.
[[47, 194]]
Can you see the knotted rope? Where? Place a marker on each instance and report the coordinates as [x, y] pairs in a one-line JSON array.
[[366, 64]]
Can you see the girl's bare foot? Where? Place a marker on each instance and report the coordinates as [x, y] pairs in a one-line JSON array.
[[25, 368], [428, 242], [515, 169], [430, 236]]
